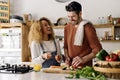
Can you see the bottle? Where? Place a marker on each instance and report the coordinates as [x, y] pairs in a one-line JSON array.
[[109, 19], [114, 22], [99, 21], [103, 20]]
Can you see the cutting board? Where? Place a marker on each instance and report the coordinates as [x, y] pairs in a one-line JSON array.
[[57, 70]]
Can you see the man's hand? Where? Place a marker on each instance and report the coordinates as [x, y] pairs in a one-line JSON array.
[[58, 58], [77, 61], [68, 61]]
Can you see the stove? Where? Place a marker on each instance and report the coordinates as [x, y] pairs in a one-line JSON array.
[[15, 69]]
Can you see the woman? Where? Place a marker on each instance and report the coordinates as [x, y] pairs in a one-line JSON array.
[[44, 48]]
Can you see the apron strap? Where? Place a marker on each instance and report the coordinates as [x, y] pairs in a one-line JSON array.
[[44, 49]]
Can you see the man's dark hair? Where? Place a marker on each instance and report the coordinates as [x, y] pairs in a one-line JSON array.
[[74, 6]]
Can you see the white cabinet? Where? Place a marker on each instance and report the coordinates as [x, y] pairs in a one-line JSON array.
[[10, 38], [10, 56], [10, 43]]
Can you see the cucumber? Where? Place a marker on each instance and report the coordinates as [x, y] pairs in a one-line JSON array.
[[102, 54]]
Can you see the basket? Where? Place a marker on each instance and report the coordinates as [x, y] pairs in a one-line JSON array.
[[109, 69]]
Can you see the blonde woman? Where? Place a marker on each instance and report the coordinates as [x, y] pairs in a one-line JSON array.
[[45, 49]]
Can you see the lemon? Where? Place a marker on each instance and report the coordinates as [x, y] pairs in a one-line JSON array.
[[37, 67]]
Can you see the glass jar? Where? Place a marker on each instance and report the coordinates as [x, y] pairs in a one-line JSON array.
[[117, 37]]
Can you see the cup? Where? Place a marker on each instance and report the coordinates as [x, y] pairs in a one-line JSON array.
[[37, 67]]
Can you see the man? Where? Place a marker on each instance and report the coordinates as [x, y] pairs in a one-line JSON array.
[[81, 43]]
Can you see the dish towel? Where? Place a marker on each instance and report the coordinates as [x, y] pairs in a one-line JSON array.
[[80, 33]]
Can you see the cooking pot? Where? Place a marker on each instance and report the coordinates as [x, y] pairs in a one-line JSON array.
[[16, 19]]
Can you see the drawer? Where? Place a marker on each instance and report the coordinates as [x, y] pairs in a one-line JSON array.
[[10, 59], [7, 54]]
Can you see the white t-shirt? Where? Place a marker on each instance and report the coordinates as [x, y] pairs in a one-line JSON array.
[[37, 51]]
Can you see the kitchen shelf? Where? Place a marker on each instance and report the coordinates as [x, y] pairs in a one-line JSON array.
[[4, 4], [4, 18], [9, 50], [110, 40], [58, 27], [117, 25], [9, 25], [111, 26], [115, 30], [4, 11], [103, 25], [95, 25]]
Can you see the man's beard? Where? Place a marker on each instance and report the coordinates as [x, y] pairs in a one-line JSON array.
[[76, 22]]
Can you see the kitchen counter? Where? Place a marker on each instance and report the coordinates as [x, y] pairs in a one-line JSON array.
[[37, 76], [34, 76]]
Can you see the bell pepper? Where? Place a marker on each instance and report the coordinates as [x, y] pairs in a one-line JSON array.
[[112, 57]]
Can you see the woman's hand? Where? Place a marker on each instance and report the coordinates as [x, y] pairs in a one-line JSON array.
[[58, 58], [47, 55]]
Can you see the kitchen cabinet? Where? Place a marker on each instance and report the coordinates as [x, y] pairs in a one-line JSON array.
[[4, 11], [10, 46], [14, 42]]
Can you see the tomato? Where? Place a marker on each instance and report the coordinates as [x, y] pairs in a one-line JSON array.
[[112, 57]]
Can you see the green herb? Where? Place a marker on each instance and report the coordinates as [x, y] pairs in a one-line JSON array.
[[87, 72]]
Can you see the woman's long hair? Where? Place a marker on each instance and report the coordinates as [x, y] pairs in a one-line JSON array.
[[36, 33]]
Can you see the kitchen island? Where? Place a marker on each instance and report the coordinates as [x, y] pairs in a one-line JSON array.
[[37, 76]]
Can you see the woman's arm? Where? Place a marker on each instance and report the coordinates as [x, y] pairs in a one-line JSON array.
[[36, 53], [58, 47], [59, 56]]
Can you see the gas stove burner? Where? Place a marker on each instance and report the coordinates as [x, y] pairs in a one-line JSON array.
[[17, 69]]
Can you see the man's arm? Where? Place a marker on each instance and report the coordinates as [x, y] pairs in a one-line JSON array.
[[93, 43]]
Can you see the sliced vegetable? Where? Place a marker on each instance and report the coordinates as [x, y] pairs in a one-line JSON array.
[[89, 73]]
